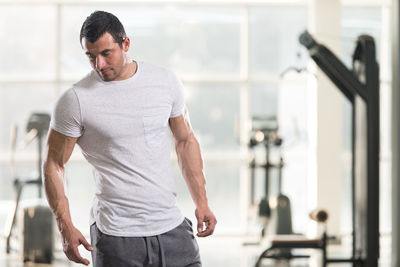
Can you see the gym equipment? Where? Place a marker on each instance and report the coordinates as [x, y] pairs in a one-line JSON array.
[[297, 69], [37, 243], [36, 219], [289, 242], [276, 208], [361, 87]]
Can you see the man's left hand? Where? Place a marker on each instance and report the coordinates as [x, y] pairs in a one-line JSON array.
[[205, 218]]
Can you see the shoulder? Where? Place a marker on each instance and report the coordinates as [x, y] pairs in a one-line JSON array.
[[68, 98], [90, 80], [154, 70]]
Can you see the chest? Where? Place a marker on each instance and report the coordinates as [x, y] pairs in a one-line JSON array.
[[125, 114]]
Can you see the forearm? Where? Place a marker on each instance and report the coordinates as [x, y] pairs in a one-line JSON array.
[[191, 164], [53, 181]]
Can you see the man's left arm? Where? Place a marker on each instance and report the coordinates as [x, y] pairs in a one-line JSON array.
[[191, 165]]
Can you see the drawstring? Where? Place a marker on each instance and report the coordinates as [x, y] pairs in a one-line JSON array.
[[162, 258], [150, 250]]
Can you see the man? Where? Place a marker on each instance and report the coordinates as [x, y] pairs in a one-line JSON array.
[[119, 116]]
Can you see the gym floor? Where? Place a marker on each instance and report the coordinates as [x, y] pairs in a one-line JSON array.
[[217, 251]]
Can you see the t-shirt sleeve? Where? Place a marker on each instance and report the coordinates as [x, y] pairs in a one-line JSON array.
[[66, 118], [178, 104]]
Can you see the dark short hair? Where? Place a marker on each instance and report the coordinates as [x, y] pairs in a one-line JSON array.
[[100, 22]]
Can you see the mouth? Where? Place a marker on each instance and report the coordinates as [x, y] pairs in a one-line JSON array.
[[104, 71]]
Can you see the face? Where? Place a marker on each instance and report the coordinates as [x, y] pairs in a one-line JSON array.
[[107, 58]]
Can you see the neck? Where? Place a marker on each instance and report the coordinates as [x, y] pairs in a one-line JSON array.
[[130, 69]]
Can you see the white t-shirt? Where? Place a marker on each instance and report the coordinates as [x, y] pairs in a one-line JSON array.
[[123, 133]]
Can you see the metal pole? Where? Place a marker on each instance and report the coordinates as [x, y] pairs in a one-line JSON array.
[[395, 134]]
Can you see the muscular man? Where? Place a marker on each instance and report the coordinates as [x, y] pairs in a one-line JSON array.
[[119, 115]]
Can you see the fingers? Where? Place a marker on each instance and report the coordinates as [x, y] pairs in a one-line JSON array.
[[85, 243], [205, 217], [210, 226], [73, 255], [200, 226], [72, 252]]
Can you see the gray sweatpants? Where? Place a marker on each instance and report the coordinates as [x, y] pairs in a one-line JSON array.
[[176, 248]]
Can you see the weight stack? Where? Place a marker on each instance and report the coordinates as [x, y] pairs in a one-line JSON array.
[[37, 234]]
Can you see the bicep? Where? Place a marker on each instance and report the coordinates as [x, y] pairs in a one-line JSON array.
[[59, 147], [180, 128]]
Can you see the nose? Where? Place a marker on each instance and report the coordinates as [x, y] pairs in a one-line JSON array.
[[100, 62]]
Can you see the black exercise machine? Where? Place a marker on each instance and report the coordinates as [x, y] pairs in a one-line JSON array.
[[37, 128], [361, 87], [275, 208]]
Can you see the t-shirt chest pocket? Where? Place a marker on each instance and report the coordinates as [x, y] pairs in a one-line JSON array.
[[155, 129]]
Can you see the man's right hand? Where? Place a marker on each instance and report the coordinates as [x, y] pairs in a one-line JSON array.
[[72, 238]]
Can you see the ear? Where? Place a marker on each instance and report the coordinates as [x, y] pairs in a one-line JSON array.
[[125, 44]]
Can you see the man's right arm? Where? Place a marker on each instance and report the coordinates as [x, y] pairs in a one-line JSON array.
[[57, 152]]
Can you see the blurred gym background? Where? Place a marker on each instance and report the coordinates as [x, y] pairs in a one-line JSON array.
[[238, 60]]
